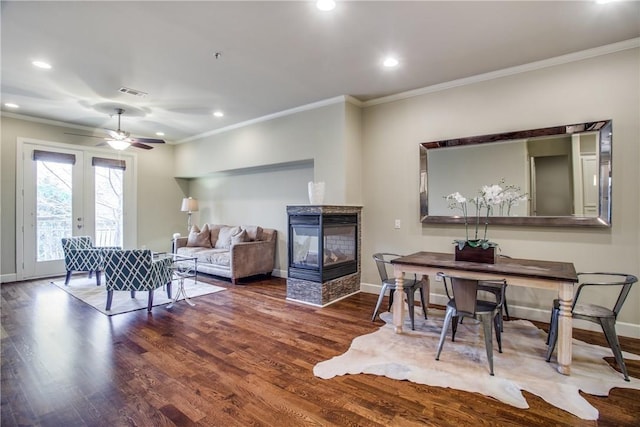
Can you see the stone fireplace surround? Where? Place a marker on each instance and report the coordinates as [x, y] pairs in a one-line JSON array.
[[323, 289]]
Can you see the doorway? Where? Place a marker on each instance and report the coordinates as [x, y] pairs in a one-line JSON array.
[[64, 190]]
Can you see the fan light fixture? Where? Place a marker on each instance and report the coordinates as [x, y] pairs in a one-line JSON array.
[[326, 5], [189, 205], [118, 144]]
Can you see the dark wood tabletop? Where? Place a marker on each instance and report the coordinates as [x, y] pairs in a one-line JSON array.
[[550, 270]]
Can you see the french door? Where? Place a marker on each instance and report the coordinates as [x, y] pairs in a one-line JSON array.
[[70, 191]]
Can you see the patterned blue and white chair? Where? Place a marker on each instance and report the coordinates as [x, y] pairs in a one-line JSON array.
[[136, 270], [81, 255]]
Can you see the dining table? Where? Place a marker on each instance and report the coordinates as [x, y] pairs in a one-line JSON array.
[[553, 275]]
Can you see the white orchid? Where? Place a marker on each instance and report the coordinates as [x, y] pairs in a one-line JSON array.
[[487, 198]]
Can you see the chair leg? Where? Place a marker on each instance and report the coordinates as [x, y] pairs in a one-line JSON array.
[[497, 323], [411, 304], [109, 299], [550, 323], [90, 274], [443, 334], [424, 306], [552, 338], [150, 303], [97, 277], [609, 329], [391, 292], [506, 308], [488, 338], [380, 298], [133, 294], [169, 289], [66, 279], [454, 326]]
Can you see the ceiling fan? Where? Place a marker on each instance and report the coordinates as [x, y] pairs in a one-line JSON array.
[[121, 140]]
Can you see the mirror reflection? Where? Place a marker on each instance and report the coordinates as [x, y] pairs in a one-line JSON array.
[[563, 172]]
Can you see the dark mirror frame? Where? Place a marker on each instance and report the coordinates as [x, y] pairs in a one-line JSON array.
[[603, 218]]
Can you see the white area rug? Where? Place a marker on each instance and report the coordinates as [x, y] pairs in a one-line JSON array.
[[463, 364], [85, 289]]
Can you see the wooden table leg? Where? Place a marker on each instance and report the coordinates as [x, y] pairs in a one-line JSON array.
[[398, 302], [565, 328]]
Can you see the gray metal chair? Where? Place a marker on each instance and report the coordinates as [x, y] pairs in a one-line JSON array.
[[464, 302], [383, 261], [604, 316], [496, 290]]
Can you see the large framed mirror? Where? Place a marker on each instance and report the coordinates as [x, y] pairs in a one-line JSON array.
[[563, 174]]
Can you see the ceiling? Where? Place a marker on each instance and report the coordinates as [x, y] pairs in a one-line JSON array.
[[275, 56]]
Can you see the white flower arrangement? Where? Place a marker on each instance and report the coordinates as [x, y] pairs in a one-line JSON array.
[[489, 196]]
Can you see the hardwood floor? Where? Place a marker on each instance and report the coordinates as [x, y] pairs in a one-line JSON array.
[[241, 357]]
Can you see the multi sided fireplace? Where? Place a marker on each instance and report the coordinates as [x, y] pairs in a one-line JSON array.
[[324, 258]]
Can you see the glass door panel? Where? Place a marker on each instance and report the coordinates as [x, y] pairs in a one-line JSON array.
[[109, 198], [54, 207]]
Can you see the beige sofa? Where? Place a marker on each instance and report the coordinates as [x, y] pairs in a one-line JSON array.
[[230, 251]]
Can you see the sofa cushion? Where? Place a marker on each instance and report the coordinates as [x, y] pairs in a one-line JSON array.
[[254, 232], [219, 257], [225, 235], [239, 238], [199, 238]]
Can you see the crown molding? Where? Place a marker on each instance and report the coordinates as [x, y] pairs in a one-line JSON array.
[[45, 121], [538, 65], [306, 107]]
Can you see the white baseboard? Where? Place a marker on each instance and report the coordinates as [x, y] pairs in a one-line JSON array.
[[6, 278], [622, 328], [279, 273]]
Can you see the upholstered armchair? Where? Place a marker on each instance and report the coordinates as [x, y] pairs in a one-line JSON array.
[[81, 255], [136, 270]]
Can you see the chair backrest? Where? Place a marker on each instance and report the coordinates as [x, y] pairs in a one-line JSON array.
[[383, 261], [622, 280], [75, 243], [127, 269], [465, 292]]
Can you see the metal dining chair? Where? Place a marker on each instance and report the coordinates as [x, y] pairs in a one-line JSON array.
[[383, 261], [604, 316], [464, 302]]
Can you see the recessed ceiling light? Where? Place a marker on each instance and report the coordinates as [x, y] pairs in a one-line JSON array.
[[42, 64], [218, 114], [326, 5], [11, 105], [390, 62], [160, 133]]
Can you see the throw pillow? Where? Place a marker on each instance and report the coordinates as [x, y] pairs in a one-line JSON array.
[[239, 238], [254, 232], [198, 238], [224, 237], [215, 231]]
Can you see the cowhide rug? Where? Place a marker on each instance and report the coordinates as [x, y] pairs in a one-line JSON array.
[[463, 364]]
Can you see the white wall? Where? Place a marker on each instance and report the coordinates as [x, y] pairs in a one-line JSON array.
[[249, 175], [605, 87]]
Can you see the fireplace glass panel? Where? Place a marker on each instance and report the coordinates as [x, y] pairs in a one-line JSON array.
[[305, 246], [339, 244]]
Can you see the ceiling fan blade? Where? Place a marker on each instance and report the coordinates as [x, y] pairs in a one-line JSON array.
[[149, 140], [80, 134], [143, 146]]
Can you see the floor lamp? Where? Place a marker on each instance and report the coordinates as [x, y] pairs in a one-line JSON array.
[[189, 205]]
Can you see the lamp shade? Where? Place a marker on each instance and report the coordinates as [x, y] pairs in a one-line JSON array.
[[189, 205]]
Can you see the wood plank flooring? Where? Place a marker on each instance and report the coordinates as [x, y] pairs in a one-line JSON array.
[[241, 357]]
